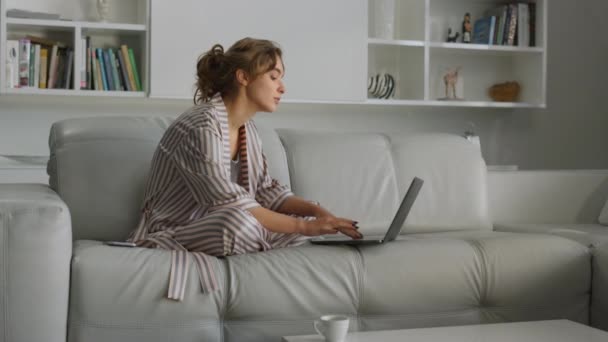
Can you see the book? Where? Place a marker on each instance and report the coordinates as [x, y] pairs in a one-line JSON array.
[[532, 21], [24, 62], [501, 13], [112, 59], [98, 75], [505, 28], [89, 75], [100, 64], [35, 75], [31, 66], [511, 25], [125, 56], [134, 66], [61, 66], [44, 61], [53, 67], [83, 63], [123, 85], [12, 64], [94, 78], [492, 39], [68, 71], [523, 25], [123, 69], [107, 67], [483, 30]]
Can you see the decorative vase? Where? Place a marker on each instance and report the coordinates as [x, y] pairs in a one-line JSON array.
[[103, 10], [505, 92]]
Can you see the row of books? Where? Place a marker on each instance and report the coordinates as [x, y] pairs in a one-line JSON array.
[[512, 24], [110, 69], [38, 63]]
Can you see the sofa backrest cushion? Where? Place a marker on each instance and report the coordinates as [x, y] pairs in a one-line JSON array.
[[99, 167], [603, 219], [350, 174], [364, 176], [275, 154], [454, 195]]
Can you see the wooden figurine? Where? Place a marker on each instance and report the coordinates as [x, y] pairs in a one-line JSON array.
[[450, 79]]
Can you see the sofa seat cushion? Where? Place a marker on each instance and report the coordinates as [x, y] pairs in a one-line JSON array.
[[282, 291], [119, 293], [473, 277], [587, 234]]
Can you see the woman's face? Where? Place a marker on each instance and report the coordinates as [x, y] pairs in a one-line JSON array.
[[266, 90]]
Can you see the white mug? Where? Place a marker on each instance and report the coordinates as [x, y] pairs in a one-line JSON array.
[[332, 327]]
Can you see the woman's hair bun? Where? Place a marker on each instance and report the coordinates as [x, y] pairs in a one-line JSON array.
[[217, 49], [216, 56]]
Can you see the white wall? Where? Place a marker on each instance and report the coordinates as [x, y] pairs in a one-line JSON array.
[[571, 133]]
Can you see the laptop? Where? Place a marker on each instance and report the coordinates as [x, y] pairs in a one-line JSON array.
[[391, 233]]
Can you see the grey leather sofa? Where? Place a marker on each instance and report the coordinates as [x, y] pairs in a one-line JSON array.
[[59, 282]]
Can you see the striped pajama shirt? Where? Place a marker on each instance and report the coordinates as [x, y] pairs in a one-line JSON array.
[[192, 207]]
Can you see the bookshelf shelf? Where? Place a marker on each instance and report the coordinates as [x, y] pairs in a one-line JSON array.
[[413, 50], [68, 42], [15, 22], [436, 103], [485, 47], [73, 92], [378, 41], [113, 26], [68, 24]]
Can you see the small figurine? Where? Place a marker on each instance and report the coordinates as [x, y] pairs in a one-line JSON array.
[[454, 38], [450, 79], [466, 28]]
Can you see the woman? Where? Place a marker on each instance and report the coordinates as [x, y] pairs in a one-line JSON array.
[[209, 191]]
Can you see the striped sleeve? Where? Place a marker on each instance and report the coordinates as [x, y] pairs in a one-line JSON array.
[[198, 157], [270, 193]]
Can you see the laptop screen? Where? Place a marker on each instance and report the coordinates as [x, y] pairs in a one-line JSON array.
[[404, 209]]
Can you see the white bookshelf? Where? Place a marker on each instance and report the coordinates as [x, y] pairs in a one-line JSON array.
[[128, 23], [417, 56]]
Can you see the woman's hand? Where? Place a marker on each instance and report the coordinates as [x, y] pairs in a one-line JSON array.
[[331, 225]]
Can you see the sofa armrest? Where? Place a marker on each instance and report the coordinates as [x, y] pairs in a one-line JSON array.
[[35, 253], [547, 196], [599, 292]]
